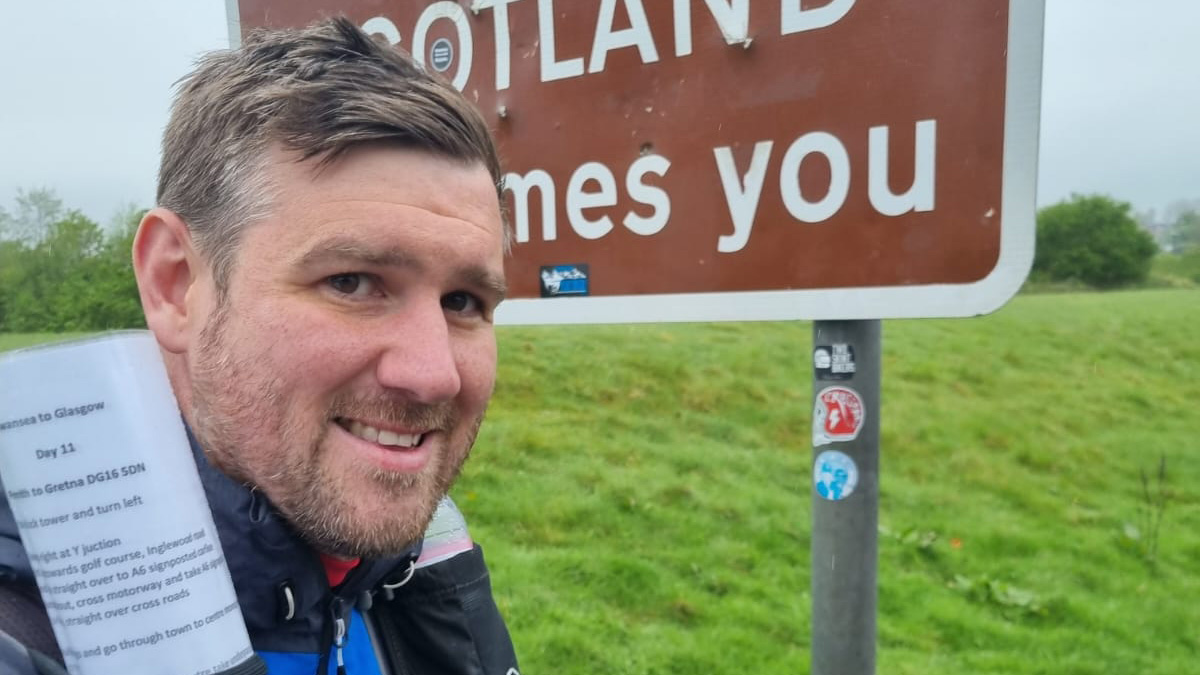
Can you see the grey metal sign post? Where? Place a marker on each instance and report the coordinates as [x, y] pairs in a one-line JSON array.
[[845, 502]]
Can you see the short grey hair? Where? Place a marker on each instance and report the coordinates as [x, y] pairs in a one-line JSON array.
[[317, 92]]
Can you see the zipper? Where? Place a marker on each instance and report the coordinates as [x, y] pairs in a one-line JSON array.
[[333, 635], [333, 638], [336, 631], [339, 640]]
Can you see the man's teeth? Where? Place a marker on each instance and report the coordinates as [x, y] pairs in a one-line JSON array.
[[368, 433]]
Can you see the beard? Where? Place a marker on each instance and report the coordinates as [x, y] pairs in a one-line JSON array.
[[254, 432]]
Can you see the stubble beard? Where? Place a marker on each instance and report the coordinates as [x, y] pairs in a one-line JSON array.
[[239, 414]]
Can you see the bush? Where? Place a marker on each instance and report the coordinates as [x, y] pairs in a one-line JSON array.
[[1092, 239]]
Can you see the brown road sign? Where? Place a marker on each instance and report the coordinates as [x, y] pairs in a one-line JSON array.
[[738, 159]]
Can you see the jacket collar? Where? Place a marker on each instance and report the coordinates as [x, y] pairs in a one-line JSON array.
[[265, 555]]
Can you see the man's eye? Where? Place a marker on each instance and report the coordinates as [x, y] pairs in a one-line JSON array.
[[461, 302], [358, 285]]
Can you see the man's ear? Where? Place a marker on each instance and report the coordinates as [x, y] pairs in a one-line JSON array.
[[167, 266]]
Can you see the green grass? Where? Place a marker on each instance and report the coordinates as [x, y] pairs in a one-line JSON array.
[[643, 492], [17, 340], [1178, 269]]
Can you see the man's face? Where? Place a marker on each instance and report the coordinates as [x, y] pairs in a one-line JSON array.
[[347, 370]]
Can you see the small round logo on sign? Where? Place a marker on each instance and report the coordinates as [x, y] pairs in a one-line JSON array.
[[838, 415], [441, 55], [835, 475]]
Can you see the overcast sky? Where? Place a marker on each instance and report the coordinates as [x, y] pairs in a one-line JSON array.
[[86, 87]]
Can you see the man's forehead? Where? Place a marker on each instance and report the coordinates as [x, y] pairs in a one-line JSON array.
[[388, 173], [368, 202], [400, 164]]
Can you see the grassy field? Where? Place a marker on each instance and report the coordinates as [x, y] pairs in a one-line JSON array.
[[1180, 270], [643, 493], [17, 340]]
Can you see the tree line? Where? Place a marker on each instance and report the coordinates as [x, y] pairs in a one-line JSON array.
[[61, 271]]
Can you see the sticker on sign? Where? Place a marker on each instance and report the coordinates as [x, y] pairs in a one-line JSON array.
[[838, 416], [735, 160]]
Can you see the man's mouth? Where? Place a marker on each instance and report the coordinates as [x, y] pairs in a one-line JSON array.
[[380, 436]]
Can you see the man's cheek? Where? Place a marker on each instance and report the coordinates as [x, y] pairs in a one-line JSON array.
[[484, 365]]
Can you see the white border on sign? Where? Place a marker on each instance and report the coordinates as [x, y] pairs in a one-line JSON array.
[[1022, 108], [233, 21]]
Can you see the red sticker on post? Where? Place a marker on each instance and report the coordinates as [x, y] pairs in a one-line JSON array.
[[838, 415]]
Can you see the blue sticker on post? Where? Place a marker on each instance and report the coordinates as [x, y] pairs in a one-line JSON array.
[[564, 280], [835, 475]]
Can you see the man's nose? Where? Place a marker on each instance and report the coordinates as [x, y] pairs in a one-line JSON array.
[[419, 358]]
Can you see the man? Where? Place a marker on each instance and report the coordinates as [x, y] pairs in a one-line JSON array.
[[321, 273]]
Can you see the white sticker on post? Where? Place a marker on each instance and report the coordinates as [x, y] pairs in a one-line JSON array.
[[100, 477]]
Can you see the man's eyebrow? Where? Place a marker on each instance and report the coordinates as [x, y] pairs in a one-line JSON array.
[[481, 277], [354, 253]]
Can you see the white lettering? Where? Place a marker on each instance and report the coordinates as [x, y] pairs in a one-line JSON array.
[[649, 195], [453, 11], [379, 25], [578, 200], [520, 187], [552, 69], [839, 177], [503, 43], [637, 35], [741, 194], [796, 20], [732, 17], [919, 196]]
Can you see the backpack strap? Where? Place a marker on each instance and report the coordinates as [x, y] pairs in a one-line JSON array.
[[27, 642], [17, 659], [23, 617], [14, 657]]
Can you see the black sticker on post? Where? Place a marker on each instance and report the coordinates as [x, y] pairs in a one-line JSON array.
[[834, 362], [564, 280]]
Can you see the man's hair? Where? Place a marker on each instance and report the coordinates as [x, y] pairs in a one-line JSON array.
[[317, 92]]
